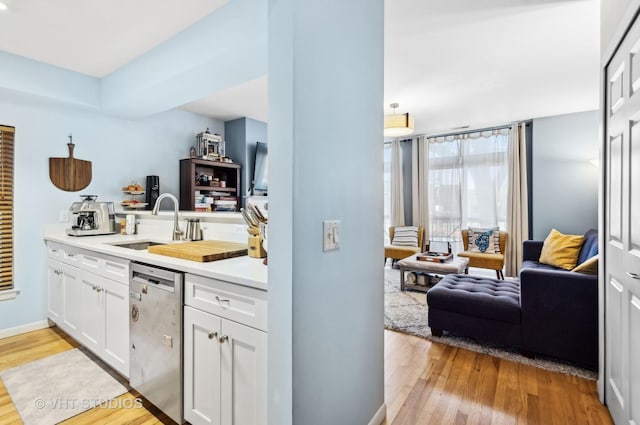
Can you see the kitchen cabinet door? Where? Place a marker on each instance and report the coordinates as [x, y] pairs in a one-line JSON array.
[[115, 347], [201, 367], [92, 329], [72, 301], [55, 290], [243, 372]]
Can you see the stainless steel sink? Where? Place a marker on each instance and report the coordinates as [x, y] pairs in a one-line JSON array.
[[139, 245]]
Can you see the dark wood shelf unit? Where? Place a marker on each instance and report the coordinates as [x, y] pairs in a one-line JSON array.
[[189, 167], [216, 188]]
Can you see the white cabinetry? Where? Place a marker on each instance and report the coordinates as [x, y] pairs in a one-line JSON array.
[[105, 320], [92, 314], [115, 341], [88, 299], [224, 360], [63, 284], [71, 301], [54, 289]]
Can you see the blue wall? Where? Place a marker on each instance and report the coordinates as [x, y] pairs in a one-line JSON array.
[[241, 136], [326, 309], [121, 150], [565, 183]]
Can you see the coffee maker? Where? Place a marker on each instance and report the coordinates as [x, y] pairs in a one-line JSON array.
[[153, 191], [90, 218]]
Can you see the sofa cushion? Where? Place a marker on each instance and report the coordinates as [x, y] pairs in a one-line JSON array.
[[536, 265], [589, 266], [589, 246], [477, 297], [561, 250], [405, 236]]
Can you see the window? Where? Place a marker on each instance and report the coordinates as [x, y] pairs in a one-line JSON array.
[[468, 179], [6, 207]]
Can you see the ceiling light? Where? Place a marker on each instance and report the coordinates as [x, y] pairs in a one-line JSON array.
[[397, 125], [3, 6]]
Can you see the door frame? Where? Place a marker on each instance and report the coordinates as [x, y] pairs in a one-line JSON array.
[[606, 55]]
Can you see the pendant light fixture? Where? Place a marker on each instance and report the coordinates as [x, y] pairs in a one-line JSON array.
[[398, 125]]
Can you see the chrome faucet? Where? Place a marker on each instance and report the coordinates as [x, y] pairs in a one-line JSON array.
[[177, 233]]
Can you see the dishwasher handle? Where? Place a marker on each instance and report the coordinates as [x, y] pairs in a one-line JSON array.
[[152, 281]]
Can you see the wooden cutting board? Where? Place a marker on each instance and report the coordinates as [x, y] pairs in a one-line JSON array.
[[70, 174], [202, 251]]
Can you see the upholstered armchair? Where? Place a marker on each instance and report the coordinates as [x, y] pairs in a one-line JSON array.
[[493, 261], [398, 252]]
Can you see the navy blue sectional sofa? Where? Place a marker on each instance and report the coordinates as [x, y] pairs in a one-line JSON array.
[[552, 312], [560, 307]]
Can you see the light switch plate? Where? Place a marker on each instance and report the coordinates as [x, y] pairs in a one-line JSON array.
[[330, 235]]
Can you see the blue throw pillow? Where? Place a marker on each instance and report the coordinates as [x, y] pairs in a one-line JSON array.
[[484, 240]]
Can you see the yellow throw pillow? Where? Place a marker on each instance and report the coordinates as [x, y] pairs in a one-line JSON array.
[[561, 250], [589, 266]]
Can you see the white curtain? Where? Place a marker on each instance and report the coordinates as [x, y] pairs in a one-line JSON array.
[[420, 183], [517, 203], [467, 183], [397, 198]]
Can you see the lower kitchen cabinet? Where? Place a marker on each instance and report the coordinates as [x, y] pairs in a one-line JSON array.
[[71, 301], [115, 343], [105, 320], [92, 312], [54, 290], [224, 371], [86, 301]]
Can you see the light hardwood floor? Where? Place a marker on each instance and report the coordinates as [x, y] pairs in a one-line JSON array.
[[431, 383], [425, 383]]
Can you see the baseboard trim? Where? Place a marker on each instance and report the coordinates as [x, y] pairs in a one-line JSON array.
[[380, 416], [29, 327]]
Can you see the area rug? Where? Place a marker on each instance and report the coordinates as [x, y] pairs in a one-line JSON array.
[[407, 312], [55, 388]]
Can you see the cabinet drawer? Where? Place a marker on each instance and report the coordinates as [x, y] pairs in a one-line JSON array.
[[116, 269], [71, 255], [113, 268], [55, 250], [235, 302], [90, 262]]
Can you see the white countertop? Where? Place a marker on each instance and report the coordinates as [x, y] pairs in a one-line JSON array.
[[244, 270]]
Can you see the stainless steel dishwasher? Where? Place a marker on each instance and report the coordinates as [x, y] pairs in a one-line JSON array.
[[155, 328]]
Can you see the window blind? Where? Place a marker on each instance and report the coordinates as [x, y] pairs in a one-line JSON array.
[[6, 207]]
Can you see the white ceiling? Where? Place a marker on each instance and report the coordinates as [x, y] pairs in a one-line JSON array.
[[94, 37], [449, 63], [480, 63]]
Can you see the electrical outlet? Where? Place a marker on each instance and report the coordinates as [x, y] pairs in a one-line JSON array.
[[63, 216], [330, 235]]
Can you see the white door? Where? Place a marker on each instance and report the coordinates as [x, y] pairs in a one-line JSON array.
[[622, 231], [92, 329], [201, 367], [244, 378], [115, 349], [54, 290], [72, 301]]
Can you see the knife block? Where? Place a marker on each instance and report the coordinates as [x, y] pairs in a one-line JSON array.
[[256, 249]]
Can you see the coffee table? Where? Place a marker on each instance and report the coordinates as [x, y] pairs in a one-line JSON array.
[[411, 264]]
